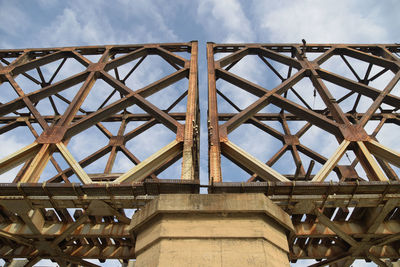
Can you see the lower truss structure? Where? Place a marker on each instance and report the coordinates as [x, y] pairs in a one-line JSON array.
[[275, 113]]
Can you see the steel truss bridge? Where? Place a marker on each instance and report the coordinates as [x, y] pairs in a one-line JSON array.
[[341, 210]]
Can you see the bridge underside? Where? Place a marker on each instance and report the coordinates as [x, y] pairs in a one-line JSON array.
[[106, 234]]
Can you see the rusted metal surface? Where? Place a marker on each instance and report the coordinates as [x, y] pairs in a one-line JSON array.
[[341, 211], [61, 127], [54, 96], [78, 214]]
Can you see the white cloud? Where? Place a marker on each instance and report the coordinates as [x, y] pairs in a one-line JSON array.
[[100, 23], [47, 3], [12, 18], [320, 21], [227, 23], [148, 20], [74, 28]]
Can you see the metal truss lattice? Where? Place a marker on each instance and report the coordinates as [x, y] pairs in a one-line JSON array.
[[67, 193], [272, 96], [322, 115]]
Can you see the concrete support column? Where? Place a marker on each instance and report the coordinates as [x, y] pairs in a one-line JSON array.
[[211, 230]]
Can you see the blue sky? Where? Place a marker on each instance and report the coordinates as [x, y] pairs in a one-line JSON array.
[[48, 23]]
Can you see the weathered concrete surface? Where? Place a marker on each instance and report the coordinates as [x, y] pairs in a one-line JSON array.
[[211, 230]]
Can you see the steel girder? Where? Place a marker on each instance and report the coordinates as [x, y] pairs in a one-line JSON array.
[[353, 216], [114, 93], [283, 81]]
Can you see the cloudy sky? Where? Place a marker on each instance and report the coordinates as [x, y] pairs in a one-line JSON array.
[[48, 23]]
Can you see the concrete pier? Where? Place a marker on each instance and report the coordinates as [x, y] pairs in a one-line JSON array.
[[211, 230]]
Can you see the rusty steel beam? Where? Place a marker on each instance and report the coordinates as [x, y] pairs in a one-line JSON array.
[[319, 251], [180, 116], [344, 126], [354, 229], [86, 230], [285, 194], [70, 123], [329, 219], [276, 116], [68, 223], [83, 252]]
